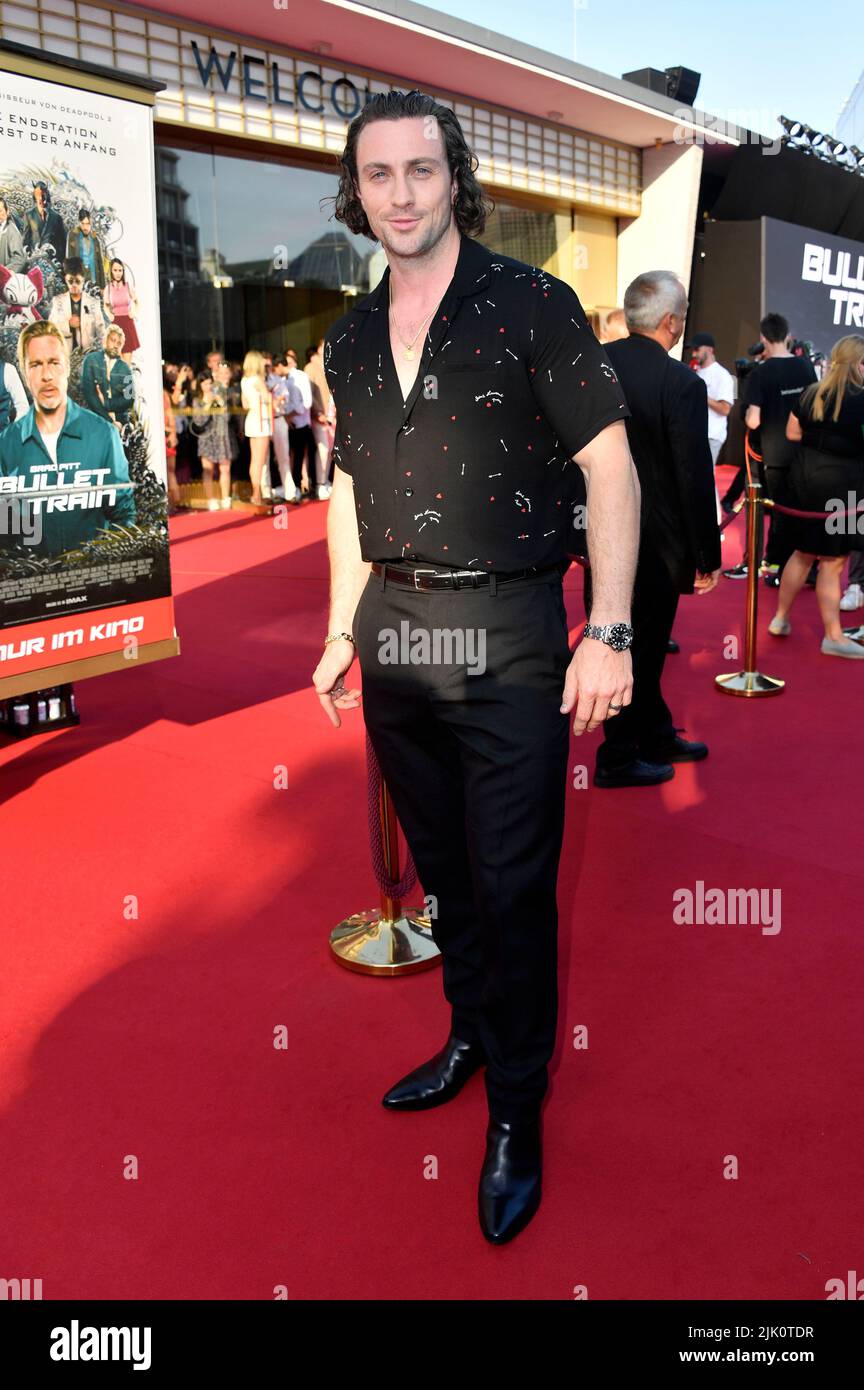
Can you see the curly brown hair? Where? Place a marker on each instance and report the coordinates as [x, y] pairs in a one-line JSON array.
[[471, 205]]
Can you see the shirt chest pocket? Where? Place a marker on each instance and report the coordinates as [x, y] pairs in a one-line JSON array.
[[476, 380]]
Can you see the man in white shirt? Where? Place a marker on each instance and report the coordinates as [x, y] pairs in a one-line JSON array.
[[300, 424], [720, 386]]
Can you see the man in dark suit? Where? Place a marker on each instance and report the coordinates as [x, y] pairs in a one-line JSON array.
[[679, 549], [42, 225]]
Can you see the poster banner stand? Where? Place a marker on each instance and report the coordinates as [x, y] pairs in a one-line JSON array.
[[80, 236]]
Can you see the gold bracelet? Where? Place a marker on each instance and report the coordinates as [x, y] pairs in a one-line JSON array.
[[336, 636]]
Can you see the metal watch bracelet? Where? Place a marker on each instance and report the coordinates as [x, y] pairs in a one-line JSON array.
[[335, 637]]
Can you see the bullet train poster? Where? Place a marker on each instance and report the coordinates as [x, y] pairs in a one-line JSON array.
[[84, 564]]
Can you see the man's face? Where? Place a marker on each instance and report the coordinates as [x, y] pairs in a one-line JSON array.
[[47, 373], [85, 224], [281, 369], [75, 284], [292, 361], [39, 200], [113, 345], [704, 355], [212, 360], [404, 183]]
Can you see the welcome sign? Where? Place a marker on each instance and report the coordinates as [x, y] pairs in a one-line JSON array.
[[270, 83]]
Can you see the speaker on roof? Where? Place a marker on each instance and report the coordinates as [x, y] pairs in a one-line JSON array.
[[682, 84]]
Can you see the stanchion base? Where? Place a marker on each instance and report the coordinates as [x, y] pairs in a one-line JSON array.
[[376, 945], [751, 683]]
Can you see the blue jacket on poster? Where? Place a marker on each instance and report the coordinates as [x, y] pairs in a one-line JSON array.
[[86, 442]]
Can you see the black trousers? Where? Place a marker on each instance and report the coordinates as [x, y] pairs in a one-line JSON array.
[[474, 752], [781, 536], [301, 442], [646, 722]]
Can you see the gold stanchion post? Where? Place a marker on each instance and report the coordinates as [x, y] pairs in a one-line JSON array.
[[386, 940], [751, 682]]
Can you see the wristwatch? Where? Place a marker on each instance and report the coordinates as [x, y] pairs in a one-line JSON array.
[[618, 636]]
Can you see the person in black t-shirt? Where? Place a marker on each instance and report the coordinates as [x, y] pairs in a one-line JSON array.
[[771, 391], [825, 430]]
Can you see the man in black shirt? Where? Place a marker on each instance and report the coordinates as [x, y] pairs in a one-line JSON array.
[[466, 384], [772, 390]]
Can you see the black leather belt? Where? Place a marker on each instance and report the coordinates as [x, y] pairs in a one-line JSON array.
[[422, 577]]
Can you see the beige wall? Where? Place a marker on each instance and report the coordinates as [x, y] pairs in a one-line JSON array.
[[662, 238], [587, 256]]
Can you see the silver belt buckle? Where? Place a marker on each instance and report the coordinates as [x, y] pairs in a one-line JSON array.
[[422, 571]]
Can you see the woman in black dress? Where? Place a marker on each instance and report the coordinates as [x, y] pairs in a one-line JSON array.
[[827, 475]]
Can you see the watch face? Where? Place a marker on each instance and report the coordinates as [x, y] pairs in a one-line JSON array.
[[620, 637]]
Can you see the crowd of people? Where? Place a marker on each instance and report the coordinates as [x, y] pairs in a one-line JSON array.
[[803, 423], [232, 417]]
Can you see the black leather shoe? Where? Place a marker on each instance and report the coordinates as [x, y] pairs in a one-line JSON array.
[[510, 1179], [439, 1079], [637, 773], [678, 750], [672, 646]]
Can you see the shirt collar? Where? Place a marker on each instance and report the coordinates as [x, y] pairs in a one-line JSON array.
[[71, 425], [470, 275]]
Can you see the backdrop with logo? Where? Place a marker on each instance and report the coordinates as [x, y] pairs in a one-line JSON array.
[[84, 567], [815, 280]]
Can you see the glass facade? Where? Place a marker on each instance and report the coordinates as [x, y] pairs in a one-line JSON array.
[[247, 256], [250, 256]]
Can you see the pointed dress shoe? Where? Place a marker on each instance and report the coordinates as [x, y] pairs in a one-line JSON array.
[[438, 1080], [510, 1179], [638, 772]]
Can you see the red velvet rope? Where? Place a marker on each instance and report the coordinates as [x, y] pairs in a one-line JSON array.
[[749, 454]]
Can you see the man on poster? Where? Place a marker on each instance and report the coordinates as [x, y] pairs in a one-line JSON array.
[[62, 462], [78, 315], [107, 383], [83, 244], [42, 225]]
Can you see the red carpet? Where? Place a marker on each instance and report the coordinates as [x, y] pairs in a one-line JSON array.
[[150, 1037]]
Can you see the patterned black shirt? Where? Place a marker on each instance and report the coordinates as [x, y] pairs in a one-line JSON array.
[[475, 470]]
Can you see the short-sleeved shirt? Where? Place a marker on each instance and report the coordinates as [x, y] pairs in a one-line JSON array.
[[475, 470], [775, 386], [720, 386], [843, 436]]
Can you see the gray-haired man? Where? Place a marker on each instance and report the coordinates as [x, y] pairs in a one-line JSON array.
[[679, 549]]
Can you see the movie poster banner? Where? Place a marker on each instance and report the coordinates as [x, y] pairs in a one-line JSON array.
[[84, 567]]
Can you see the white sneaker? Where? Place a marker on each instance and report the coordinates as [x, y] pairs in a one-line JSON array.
[[225, 504], [323, 492], [214, 504], [853, 598]]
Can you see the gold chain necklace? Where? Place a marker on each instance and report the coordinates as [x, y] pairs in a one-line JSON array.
[[409, 347]]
